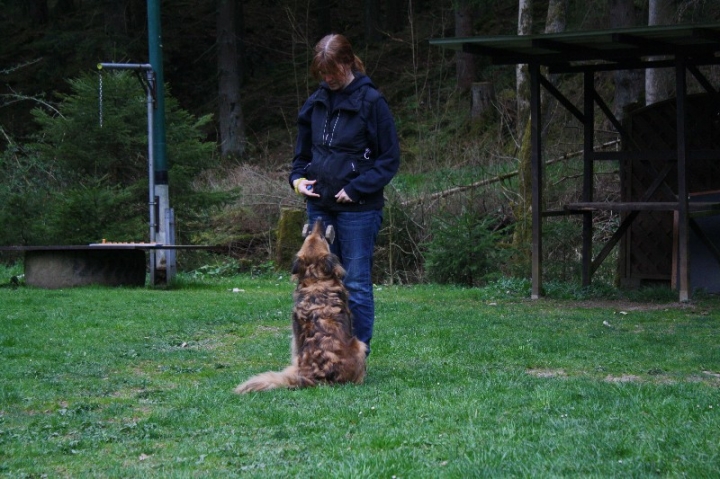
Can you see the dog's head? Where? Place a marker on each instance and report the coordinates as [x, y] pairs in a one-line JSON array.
[[314, 261]]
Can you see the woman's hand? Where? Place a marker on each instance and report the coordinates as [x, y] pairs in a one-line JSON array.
[[342, 197], [305, 187]]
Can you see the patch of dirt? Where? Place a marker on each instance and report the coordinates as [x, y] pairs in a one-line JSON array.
[[619, 305], [625, 378], [708, 377], [547, 373]]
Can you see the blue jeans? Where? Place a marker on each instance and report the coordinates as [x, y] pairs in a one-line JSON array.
[[355, 236]]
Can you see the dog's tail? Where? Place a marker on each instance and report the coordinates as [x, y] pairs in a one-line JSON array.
[[287, 378]]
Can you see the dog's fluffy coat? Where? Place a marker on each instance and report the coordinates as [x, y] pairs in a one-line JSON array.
[[324, 349]]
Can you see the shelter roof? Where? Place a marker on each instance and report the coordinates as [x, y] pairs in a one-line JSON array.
[[614, 49]]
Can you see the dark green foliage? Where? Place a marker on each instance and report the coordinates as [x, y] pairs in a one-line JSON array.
[[83, 180], [562, 242], [18, 215], [74, 141], [94, 212], [398, 255], [465, 249], [23, 196]]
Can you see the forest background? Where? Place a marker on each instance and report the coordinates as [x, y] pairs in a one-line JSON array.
[[73, 165]]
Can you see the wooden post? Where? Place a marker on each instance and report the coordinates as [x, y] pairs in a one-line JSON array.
[[537, 180], [588, 174], [682, 190]]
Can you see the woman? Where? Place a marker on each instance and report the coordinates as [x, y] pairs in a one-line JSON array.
[[347, 151]]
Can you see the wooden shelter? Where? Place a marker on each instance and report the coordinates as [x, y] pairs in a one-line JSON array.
[[660, 166]]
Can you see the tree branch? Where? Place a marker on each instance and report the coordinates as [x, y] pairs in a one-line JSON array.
[[19, 67], [496, 179]]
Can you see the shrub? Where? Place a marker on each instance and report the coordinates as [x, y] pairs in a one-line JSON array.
[[465, 249], [94, 178]]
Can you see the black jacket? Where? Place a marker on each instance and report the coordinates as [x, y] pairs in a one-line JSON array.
[[347, 139]]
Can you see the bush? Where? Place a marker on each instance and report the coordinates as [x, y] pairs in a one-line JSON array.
[[398, 254], [465, 249], [22, 196], [81, 181], [92, 213]]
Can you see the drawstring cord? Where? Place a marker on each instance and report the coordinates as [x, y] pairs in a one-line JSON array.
[[328, 138]]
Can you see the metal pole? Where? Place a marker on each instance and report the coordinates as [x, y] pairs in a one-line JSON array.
[[150, 87], [125, 66], [155, 47], [161, 190], [151, 167]]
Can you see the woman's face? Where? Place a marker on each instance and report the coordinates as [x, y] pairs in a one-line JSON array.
[[339, 80]]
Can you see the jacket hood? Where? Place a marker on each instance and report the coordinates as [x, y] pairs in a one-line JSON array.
[[359, 81]]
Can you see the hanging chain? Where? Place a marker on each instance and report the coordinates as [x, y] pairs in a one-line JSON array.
[[100, 98]]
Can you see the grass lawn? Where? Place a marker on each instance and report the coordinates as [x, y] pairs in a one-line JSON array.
[[461, 383]]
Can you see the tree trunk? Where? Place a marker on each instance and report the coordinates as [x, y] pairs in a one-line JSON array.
[[522, 234], [628, 83], [522, 82], [372, 20], [63, 7], [230, 116], [324, 19], [39, 12], [418, 6], [658, 81], [482, 94], [556, 16], [395, 15], [556, 22], [465, 62]]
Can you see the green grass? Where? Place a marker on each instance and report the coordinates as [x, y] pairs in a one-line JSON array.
[[461, 383]]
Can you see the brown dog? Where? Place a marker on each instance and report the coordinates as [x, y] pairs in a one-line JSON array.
[[324, 350]]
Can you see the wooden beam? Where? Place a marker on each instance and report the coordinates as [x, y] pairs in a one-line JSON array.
[[562, 99], [682, 153], [628, 220], [702, 80], [537, 179], [619, 233], [588, 173], [641, 206]]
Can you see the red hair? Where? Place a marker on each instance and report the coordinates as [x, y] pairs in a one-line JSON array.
[[332, 53]]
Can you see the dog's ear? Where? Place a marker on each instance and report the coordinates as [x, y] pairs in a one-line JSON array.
[[333, 268], [298, 267]]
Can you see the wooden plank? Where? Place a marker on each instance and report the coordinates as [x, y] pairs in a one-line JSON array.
[[622, 229], [700, 207], [683, 263]]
